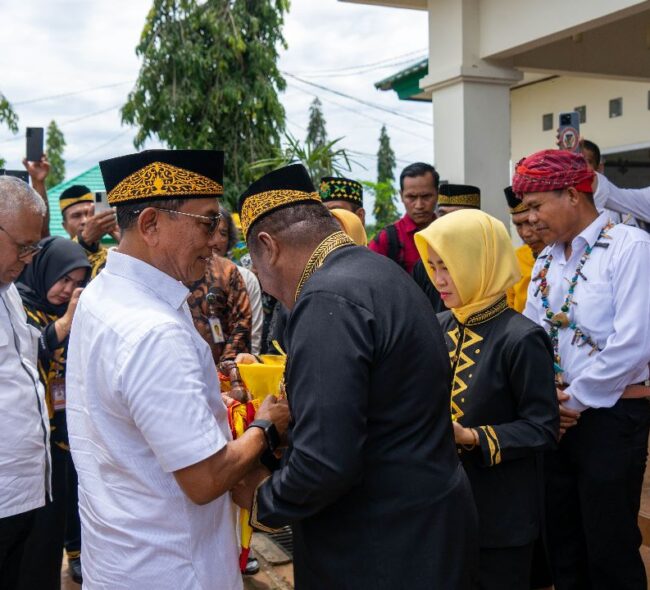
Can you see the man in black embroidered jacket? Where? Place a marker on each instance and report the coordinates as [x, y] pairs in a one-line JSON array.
[[371, 483]]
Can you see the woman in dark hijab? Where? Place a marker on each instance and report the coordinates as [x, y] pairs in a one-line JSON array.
[[50, 287]]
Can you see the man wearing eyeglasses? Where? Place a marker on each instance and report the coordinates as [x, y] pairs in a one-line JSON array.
[[148, 429], [24, 440]]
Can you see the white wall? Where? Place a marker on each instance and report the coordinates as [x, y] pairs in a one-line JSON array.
[[529, 103]]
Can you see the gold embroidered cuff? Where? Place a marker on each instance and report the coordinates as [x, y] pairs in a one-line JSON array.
[[165, 181], [257, 205], [492, 452], [253, 519]]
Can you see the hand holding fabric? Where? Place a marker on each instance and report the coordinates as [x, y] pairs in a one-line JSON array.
[[244, 492], [277, 411]]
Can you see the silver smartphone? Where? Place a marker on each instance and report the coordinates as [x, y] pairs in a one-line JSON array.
[[101, 202]]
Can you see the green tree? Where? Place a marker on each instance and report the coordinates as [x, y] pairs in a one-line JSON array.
[[385, 208], [8, 117], [209, 80], [54, 146], [385, 158], [320, 160], [317, 135], [316, 132]]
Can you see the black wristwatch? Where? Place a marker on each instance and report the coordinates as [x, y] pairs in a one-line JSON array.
[[270, 433]]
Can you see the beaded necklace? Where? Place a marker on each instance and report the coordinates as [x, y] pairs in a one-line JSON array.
[[560, 321]]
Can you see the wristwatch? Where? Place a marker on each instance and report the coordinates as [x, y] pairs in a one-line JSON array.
[[270, 433]]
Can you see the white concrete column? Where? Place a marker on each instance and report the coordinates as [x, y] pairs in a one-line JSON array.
[[471, 123], [471, 104]]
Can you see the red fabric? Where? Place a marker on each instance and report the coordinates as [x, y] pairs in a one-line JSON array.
[[406, 229], [551, 170]]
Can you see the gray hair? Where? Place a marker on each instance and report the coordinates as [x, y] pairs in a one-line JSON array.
[[17, 195]]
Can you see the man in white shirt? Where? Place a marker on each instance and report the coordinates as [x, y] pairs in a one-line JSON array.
[[24, 443], [634, 201], [590, 290], [148, 429]]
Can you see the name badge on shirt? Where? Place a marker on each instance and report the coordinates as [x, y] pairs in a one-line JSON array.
[[217, 331], [57, 394]]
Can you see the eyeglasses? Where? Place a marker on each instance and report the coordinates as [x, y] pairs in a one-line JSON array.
[[24, 250], [212, 223]]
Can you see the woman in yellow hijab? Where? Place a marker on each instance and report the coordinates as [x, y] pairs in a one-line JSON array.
[[351, 225], [503, 400]]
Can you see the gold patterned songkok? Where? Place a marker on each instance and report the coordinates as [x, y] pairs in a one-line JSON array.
[[459, 195], [281, 188], [158, 175], [515, 204]]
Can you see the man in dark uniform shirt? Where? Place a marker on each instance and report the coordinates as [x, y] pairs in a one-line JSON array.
[[371, 482]]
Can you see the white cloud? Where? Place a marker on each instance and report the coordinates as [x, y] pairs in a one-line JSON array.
[[53, 47]]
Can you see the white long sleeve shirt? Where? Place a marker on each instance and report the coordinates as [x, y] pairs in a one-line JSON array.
[[25, 428], [612, 307], [635, 201]]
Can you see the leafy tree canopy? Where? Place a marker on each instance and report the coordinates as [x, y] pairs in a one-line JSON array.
[[8, 117], [209, 80], [385, 158], [320, 160], [54, 146]]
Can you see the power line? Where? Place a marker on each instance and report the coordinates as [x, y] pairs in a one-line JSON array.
[[366, 115], [66, 94], [89, 115], [359, 100], [67, 122], [99, 147], [364, 71], [358, 66]]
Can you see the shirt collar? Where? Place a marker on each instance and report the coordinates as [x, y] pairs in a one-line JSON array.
[[587, 237], [166, 287], [408, 224]]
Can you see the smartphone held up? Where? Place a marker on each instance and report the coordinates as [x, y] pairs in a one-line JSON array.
[[568, 136]]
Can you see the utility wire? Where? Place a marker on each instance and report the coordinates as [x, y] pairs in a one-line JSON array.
[[66, 94], [67, 122], [361, 66], [359, 100], [362, 114], [366, 70], [99, 147]]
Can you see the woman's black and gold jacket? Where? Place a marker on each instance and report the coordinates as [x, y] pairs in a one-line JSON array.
[[51, 367], [503, 386]]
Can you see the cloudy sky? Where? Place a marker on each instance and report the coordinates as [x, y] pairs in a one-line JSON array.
[[74, 61]]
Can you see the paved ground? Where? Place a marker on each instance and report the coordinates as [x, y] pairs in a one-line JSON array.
[[276, 574]]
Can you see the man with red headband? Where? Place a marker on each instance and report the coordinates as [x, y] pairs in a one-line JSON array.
[[589, 289]]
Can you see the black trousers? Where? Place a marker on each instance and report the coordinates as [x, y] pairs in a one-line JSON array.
[[43, 554], [72, 521], [505, 568], [14, 531], [593, 492]]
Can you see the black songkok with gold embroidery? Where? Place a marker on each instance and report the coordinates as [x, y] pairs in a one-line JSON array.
[[515, 204], [286, 186], [341, 189], [77, 193], [459, 195], [155, 175]]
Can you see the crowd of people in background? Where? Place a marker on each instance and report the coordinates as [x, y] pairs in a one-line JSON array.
[[462, 413]]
